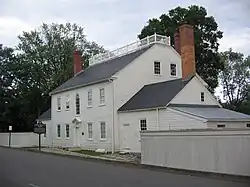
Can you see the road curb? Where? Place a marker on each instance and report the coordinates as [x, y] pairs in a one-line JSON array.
[[227, 177]]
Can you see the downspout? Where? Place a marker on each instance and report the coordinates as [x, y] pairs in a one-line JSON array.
[[157, 119]]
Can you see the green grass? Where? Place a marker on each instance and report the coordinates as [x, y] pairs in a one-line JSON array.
[[89, 152]]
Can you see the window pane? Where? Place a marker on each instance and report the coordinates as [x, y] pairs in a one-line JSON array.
[[202, 96], [103, 130], [157, 68], [173, 69], [90, 131], [102, 96], [89, 98], [143, 124], [58, 131], [59, 103], [77, 104], [67, 131]]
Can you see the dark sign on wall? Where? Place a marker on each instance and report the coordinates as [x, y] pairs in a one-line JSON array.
[[40, 128]]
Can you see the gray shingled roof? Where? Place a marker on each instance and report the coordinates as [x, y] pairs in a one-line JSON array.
[[155, 95], [213, 113], [100, 72], [46, 115]]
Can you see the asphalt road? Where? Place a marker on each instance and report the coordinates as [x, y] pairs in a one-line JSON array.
[[26, 169]]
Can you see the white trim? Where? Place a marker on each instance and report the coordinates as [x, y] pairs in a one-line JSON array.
[[172, 109]]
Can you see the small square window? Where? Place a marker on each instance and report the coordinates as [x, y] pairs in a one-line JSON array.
[[59, 107], [157, 68], [102, 96], [173, 69], [202, 96], [221, 126], [89, 97], [248, 125], [143, 124]]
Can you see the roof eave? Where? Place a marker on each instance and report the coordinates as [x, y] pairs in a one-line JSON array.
[[79, 86]]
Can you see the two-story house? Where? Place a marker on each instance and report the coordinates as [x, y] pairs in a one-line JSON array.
[[146, 85]]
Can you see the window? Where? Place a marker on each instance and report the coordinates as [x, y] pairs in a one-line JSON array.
[[89, 97], [173, 69], [58, 131], [67, 130], [102, 96], [248, 125], [90, 131], [157, 68], [67, 104], [77, 104], [103, 130], [143, 123], [221, 126], [59, 107], [202, 97]]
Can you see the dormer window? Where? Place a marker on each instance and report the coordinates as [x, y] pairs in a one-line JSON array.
[[173, 69], [77, 104], [157, 68]]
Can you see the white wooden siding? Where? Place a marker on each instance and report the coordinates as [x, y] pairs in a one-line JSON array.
[[95, 115], [191, 94], [171, 120]]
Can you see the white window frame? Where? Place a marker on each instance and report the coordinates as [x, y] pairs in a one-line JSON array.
[[173, 70], [143, 128], [90, 98], [59, 104], [76, 105], [202, 97], [67, 103], [156, 69], [67, 137], [58, 131], [88, 126], [105, 132], [102, 96]]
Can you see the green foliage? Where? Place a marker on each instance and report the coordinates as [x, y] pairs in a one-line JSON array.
[[206, 37], [43, 61], [235, 79]]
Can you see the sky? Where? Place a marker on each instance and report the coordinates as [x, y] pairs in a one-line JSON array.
[[114, 23]]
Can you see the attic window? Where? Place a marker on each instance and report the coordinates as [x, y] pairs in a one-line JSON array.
[[221, 125], [248, 125], [157, 68], [173, 69], [202, 96]]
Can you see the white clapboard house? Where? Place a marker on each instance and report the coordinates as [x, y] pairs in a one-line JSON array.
[[146, 85]]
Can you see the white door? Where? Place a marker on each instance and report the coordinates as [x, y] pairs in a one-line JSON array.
[[126, 136], [77, 137]]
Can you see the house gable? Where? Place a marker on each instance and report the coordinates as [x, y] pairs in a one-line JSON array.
[[191, 94]]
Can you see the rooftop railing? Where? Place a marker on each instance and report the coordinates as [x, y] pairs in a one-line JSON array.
[[156, 38]]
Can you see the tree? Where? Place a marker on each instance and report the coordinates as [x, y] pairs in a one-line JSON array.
[[42, 61], [206, 35], [235, 79]]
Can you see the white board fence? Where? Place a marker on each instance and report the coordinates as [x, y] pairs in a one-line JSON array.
[[26, 139], [224, 151]]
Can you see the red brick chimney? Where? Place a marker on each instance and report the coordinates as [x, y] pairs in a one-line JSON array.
[[78, 62], [187, 50], [177, 44]]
